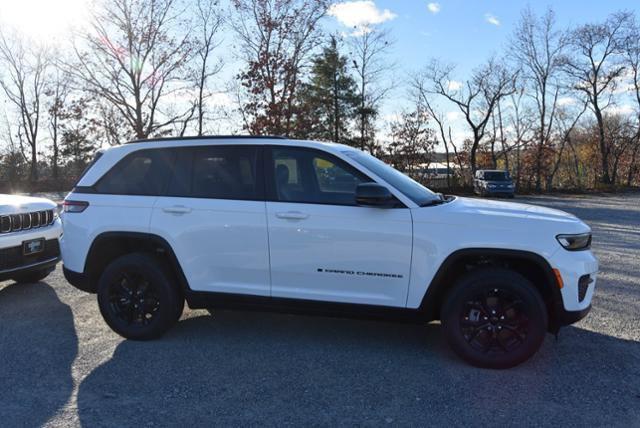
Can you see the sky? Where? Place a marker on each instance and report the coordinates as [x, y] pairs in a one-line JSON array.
[[467, 32], [462, 32]]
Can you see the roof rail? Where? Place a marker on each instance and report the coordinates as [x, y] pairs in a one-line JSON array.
[[209, 137]]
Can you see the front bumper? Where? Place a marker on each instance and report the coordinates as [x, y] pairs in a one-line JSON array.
[[573, 267], [570, 317], [504, 191], [13, 263], [78, 279]]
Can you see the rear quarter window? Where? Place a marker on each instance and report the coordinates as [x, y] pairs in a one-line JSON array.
[[145, 172]]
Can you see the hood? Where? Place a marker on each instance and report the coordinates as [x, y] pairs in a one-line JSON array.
[[512, 209], [498, 215], [13, 204]]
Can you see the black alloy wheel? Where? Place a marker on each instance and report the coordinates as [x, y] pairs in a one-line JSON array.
[[494, 317], [494, 321], [132, 298], [138, 297]]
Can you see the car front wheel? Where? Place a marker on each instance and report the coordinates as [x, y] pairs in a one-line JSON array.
[[494, 318], [138, 298]]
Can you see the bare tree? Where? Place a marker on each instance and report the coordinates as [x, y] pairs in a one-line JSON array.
[[476, 98], [133, 57], [22, 79], [58, 89], [370, 50], [276, 39], [632, 53], [420, 94], [412, 141], [567, 122], [208, 24], [538, 49], [13, 160], [595, 69]]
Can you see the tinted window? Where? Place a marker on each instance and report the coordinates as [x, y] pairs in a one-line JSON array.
[[218, 172], [144, 172], [311, 176]]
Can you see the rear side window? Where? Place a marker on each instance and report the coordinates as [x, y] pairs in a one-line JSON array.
[[218, 172], [145, 172]]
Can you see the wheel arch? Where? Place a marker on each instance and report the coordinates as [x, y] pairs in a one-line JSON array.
[[109, 245], [531, 265]]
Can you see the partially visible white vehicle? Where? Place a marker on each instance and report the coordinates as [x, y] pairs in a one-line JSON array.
[[29, 238]]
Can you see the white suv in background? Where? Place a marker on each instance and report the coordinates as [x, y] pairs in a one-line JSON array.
[[29, 234], [314, 228]]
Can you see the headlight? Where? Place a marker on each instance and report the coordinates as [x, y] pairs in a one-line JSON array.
[[575, 242]]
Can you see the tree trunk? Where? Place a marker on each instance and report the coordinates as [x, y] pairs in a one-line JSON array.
[[604, 151]]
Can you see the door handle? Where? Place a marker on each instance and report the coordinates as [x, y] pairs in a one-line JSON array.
[[292, 215], [177, 209]]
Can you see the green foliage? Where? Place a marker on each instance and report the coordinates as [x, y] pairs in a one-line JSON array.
[[329, 101]]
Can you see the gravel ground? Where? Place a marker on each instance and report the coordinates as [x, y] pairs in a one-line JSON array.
[[60, 364]]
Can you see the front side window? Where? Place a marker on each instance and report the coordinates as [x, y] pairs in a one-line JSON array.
[[311, 176], [413, 190], [144, 172], [218, 172]]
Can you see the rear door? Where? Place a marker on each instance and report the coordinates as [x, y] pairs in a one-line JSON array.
[[322, 245], [214, 218]]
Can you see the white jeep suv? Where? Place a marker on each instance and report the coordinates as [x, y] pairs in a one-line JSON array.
[[314, 228], [29, 234]]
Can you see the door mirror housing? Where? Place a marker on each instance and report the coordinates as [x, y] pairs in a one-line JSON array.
[[374, 195]]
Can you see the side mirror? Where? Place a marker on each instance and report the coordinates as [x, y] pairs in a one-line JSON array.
[[374, 195]]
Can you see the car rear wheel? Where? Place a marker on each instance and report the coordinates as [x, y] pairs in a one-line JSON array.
[[138, 298], [494, 318]]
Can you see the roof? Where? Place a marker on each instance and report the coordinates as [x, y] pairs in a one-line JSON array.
[[209, 137]]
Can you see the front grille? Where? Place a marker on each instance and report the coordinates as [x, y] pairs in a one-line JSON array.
[[25, 221], [12, 257], [583, 286]]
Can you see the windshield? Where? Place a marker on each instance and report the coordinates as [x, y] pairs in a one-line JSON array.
[[496, 176], [408, 187]]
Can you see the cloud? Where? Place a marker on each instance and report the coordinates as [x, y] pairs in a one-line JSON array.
[[452, 116], [360, 14], [454, 85], [492, 19], [622, 110], [566, 101], [221, 99], [434, 7]]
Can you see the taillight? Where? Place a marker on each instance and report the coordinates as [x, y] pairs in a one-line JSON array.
[[74, 206]]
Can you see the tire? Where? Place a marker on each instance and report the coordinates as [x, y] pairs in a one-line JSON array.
[[138, 297], [33, 276], [501, 339]]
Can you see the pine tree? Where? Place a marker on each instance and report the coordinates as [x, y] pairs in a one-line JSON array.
[[78, 142], [329, 100]]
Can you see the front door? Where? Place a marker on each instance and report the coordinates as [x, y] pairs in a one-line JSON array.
[[322, 245]]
